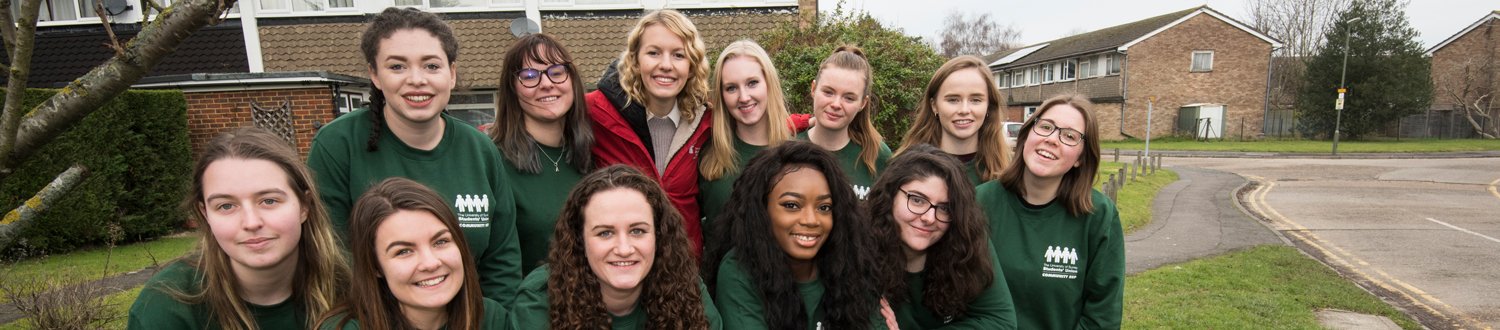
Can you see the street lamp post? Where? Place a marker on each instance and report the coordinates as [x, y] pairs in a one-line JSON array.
[[1338, 118]]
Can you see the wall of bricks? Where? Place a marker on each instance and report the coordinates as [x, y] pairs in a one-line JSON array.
[[1458, 64], [1160, 67], [211, 113]]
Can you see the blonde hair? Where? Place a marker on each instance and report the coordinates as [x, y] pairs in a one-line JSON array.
[[720, 159], [322, 268], [695, 89], [862, 129], [927, 128]]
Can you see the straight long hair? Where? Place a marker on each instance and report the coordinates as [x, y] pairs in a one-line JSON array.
[[695, 90], [1077, 185], [862, 129], [370, 300], [927, 128], [321, 266], [720, 159], [509, 132], [669, 293], [958, 266]]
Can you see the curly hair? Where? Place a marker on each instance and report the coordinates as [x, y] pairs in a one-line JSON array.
[[381, 27], [1076, 189], [509, 132], [847, 260], [370, 299], [695, 90], [927, 128], [958, 266], [321, 266], [669, 293]]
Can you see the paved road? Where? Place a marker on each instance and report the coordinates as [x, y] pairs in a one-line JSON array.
[[1423, 233], [1192, 218]]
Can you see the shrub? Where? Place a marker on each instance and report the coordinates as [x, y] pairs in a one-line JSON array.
[[136, 150], [902, 64]]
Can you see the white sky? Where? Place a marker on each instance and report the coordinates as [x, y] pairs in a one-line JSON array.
[[1040, 21]]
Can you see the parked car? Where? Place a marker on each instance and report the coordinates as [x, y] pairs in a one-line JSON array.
[[1012, 130]]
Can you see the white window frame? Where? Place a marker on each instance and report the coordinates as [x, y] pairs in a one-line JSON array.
[[1001, 80], [1027, 111], [1068, 70], [1034, 76], [679, 4], [573, 5], [1193, 61], [1017, 79], [78, 13], [1086, 68], [287, 9], [1049, 73], [1114, 64]]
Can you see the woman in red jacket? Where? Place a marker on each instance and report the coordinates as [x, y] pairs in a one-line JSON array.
[[649, 110]]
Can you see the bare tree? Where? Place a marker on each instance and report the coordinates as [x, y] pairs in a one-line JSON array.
[[1470, 85], [24, 130], [977, 35], [1299, 24]]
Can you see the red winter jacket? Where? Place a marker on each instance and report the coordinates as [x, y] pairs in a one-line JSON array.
[[616, 143]]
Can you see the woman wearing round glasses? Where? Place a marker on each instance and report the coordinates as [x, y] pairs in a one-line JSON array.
[[924, 205], [1060, 242], [542, 128]]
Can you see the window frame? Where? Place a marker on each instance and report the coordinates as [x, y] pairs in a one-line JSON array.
[[1115, 66], [1068, 70], [1193, 61], [1086, 68]]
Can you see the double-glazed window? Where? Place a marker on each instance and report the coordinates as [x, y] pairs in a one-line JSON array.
[[1203, 61]]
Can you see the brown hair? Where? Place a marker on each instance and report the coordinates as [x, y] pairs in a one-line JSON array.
[[958, 265], [862, 128], [321, 267], [695, 90], [719, 159], [370, 301], [509, 132], [1078, 184], [383, 26], [669, 294], [994, 155]]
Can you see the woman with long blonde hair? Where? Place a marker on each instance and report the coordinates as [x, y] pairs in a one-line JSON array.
[[267, 257], [750, 115]]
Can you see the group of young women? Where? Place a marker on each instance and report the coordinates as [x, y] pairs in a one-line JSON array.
[[672, 197]]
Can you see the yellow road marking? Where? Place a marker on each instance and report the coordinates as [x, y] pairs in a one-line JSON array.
[[1495, 188]]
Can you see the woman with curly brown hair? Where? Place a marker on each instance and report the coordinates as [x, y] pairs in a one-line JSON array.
[[619, 259], [799, 252], [925, 205]]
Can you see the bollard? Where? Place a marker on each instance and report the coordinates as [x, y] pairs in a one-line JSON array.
[[1117, 155], [1155, 161]]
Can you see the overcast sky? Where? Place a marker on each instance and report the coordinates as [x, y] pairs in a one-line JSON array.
[[1051, 19]]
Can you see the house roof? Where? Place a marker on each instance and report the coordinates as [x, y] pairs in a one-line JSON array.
[[1493, 15], [62, 55], [1119, 37]]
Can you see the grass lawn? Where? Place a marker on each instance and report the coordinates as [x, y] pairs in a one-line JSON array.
[[1136, 198], [1268, 287], [90, 265], [119, 304], [1307, 146]]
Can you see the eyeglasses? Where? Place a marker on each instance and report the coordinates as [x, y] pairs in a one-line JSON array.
[[557, 73], [1045, 128], [919, 205]]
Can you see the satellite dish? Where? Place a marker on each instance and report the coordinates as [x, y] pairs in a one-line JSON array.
[[522, 26], [115, 7]]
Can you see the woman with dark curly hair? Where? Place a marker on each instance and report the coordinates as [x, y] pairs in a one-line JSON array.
[[799, 252], [620, 258], [924, 205]]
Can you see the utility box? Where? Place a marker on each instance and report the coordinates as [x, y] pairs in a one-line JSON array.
[[1201, 120]]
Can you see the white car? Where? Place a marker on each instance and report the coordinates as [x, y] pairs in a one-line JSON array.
[[1012, 130]]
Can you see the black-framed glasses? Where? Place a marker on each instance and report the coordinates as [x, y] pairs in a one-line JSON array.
[[919, 205], [1045, 128], [557, 73]]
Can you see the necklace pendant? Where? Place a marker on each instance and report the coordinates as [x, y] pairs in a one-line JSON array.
[[554, 168]]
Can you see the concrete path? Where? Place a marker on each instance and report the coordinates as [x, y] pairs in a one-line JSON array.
[[1193, 218]]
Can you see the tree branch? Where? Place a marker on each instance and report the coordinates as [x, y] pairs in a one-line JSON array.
[[107, 80], [18, 74], [7, 26], [104, 19], [36, 205]]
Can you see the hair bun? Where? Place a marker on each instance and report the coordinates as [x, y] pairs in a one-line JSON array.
[[851, 49]]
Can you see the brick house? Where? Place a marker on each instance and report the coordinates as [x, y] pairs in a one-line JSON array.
[[1464, 68], [1195, 58], [305, 53]]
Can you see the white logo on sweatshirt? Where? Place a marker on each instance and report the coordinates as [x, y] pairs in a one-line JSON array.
[[1060, 262], [473, 210]]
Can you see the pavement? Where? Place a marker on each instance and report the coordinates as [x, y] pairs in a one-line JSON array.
[[1130, 154], [1193, 218]]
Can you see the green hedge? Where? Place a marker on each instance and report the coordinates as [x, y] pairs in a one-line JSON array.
[[136, 150], [902, 64]]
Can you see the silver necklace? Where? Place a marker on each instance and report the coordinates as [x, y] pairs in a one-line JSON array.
[[555, 167]]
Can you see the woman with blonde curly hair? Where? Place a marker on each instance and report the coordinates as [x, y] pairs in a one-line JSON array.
[[652, 112], [619, 259], [267, 256]]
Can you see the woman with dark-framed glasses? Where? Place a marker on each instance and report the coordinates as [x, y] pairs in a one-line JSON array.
[[542, 129], [1059, 241], [948, 274]]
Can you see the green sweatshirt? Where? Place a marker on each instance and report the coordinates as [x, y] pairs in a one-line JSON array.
[[971, 171], [465, 169], [533, 306], [714, 194], [993, 309], [539, 199], [155, 308], [859, 176], [741, 305], [1065, 272], [494, 319]]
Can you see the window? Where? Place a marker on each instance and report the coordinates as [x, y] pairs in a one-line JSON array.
[[1069, 69], [1203, 61], [1017, 79], [1035, 77], [1047, 73], [307, 5], [572, 3], [1086, 68], [476, 107], [451, 3], [1000, 79], [1029, 110], [1113, 61], [58, 10]]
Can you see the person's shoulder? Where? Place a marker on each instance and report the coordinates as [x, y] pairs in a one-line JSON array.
[[177, 275], [990, 188], [339, 321], [356, 120], [537, 279]]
